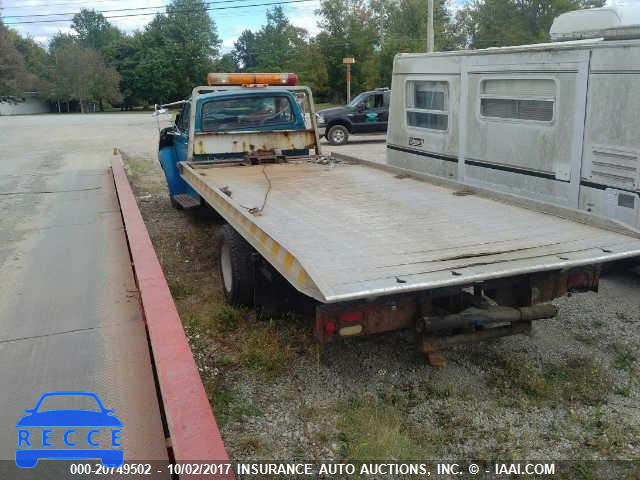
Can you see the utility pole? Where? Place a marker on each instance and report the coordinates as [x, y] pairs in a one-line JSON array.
[[348, 61], [430, 26]]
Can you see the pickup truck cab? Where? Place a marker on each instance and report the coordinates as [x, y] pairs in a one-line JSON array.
[[366, 114], [254, 123]]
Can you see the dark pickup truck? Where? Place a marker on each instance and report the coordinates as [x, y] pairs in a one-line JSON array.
[[367, 113]]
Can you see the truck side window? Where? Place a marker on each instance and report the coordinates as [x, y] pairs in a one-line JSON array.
[[427, 104], [374, 101]]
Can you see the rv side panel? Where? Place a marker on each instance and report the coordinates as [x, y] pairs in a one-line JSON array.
[[424, 117], [611, 159]]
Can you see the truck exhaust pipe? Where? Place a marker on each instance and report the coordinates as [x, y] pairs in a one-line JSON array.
[[476, 324], [485, 317]]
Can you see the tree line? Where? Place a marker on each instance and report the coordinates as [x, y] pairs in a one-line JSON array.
[[99, 63]]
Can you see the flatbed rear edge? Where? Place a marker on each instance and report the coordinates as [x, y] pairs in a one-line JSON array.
[[304, 280], [459, 310]]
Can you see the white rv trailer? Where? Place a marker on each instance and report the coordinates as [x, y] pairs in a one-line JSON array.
[[557, 122]]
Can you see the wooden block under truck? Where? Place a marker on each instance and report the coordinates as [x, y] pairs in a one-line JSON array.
[[366, 247]]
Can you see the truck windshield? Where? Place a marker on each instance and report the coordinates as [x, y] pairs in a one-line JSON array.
[[246, 112]]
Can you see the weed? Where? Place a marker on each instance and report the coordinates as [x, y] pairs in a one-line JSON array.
[[371, 430], [576, 380], [229, 406], [624, 361], [624, 391], [179, 290], [228, 317], [263, 350], [249, 443], [622, 316]]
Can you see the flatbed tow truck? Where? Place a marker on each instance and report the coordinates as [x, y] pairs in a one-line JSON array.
[[370, 247]]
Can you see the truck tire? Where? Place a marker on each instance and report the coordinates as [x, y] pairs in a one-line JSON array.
[[236, 268], [338, 135]]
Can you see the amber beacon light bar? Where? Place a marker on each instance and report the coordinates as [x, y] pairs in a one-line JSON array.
[[289, 79]]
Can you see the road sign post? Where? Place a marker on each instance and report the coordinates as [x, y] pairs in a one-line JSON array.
[[348, 61]]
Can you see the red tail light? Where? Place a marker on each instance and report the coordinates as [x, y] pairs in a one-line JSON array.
[[353, 316]]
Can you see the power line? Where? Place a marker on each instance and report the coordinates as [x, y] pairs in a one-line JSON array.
[[69, 2], [155, 13], [101, 11], [114, 10]]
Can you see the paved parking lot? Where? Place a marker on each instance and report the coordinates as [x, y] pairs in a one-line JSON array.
[[69, 315], [367, 147]]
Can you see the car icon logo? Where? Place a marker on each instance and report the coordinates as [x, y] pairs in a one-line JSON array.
[[36, 431]]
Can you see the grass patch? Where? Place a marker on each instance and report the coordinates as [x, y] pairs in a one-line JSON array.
[[624, 361], [371, 430], [263, 350], [228, 317], [577, 380], [229, 406], [179, 290], [249, 443]]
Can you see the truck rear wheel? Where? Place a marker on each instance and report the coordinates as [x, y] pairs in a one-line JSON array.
[[338, 135], [236, 268]]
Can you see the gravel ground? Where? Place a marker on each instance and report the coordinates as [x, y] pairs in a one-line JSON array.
[[569, 391]]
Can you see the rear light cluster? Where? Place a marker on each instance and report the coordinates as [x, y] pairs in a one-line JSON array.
[[338, 321], [344, 324]]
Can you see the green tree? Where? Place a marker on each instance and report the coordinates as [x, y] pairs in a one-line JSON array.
[[245, 51], [312, 70], [494, 23], [226, 63], [279, 44], [60, 40], [124, 54], [93, 30], [350, 29], [403, 27], [15, 79], [80, 74], [178, 49]]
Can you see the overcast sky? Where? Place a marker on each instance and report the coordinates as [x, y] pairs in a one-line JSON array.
[[230, 23]]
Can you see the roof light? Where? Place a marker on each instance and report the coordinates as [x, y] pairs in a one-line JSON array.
[[289, 79]]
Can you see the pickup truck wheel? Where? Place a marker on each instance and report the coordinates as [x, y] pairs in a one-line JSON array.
[[236, 269], [337, 135]]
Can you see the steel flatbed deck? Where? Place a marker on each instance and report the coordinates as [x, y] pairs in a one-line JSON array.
[[342, 230]]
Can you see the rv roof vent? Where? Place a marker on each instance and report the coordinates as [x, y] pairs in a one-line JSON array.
[[614, 22]]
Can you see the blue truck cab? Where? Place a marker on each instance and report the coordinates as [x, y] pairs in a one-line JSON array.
[[220, 123]]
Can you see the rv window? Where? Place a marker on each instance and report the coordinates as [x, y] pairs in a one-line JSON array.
[[518, 98], [538, 110], [427, 104]]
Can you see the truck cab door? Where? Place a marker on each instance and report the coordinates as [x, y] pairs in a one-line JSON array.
[[373, 114], [181, 141]]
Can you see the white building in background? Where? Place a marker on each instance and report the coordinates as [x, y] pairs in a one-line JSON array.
[[26, 105]]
